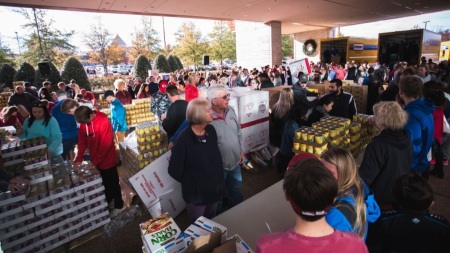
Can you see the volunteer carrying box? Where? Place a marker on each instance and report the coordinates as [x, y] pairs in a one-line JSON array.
[[161, 234]]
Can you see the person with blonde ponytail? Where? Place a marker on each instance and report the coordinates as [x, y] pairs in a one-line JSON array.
[[354, 206]]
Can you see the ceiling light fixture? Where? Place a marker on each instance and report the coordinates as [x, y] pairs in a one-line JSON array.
[[407, 7]]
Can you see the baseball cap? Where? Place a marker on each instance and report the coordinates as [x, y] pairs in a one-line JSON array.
[[73, 81], [27, 84], [163, 85], [303, 78], [299, 157], [109, 93]]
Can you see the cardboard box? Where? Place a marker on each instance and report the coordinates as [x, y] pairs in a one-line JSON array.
[[172, 201], [252, 105], [154, 181], [241, 246], [212, 226], [255, 135], [193, 232], [162, 234]]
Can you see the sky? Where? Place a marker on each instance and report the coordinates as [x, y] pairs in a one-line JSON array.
[[124, 25]]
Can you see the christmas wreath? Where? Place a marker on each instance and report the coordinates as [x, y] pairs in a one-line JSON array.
[[309, 47]]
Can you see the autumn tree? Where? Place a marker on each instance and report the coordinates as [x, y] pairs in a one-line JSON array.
[[223, 42], [99, 40], [287, 45], [145, 40], [191, 44], [44, 41]]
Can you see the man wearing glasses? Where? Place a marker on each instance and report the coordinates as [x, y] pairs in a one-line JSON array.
[[230, 143]]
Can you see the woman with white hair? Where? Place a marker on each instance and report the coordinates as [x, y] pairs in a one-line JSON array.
[[389, 155], [196, 162]]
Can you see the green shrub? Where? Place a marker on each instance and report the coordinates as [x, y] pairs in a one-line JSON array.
[[173, 64], [72, 69], [141, 67], [7, 73], [180, 65], [25, 73], [161, 64], [54, 78]]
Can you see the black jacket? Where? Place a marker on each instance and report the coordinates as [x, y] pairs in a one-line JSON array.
[[24, 99], [402, 232], [198, 167], [344, 105], [388, 156], [175, 115]]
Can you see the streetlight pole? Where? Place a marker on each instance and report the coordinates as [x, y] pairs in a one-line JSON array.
[[18, 44], [426, 22]]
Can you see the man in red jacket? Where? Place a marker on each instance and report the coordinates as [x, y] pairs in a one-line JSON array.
[[96, 133]]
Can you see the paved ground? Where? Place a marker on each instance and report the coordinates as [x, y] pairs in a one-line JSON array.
[[128, 239]]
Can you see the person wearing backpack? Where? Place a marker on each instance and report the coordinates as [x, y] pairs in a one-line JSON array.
[[355, 205]]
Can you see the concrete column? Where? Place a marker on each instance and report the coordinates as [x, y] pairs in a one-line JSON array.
[[258, 44], [276, 53]]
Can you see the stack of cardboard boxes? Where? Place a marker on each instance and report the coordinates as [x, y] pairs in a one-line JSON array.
[[54, 211], [161, 234], [252, 110]]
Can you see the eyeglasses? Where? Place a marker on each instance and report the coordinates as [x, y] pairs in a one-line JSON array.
[[38, 104], [225, 97]]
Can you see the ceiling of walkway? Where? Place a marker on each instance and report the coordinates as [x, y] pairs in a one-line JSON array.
[[295, 15]]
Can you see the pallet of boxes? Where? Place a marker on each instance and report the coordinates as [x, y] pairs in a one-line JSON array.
[[328, 132], [57, 206], [148, 143], [359, 93], [161, 234], [252, 111]]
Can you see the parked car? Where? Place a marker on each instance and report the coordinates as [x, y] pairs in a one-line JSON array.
[[123, 70], [113, 69]]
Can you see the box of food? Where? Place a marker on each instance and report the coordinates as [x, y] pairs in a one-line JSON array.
[[212, 226], [161, 234], [241, 246], [193, 232]]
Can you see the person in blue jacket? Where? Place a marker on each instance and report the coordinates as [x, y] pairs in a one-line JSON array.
[[355, 205], [67, 124], [420, 125], [40, 123], [118, 116]]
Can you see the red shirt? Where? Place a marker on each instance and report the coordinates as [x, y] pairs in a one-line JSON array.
[[124, 97], [12, 121], [98, 136], [190, 92]]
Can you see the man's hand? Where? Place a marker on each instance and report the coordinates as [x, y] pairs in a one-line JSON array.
[[17, 184], [163, 116], [169, 147], [75, 166], [241, 161]]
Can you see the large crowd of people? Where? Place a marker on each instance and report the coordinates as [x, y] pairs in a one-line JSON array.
[[337, 205]]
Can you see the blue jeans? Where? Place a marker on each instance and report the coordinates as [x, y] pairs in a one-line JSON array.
[[68, 145], [233, 181]]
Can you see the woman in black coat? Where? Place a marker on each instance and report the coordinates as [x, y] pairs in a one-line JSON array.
[[196, 162]]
